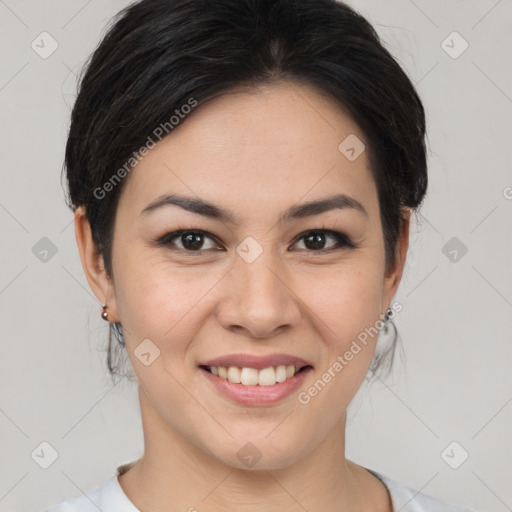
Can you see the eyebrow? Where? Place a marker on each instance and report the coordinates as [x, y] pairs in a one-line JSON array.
[[206, 209]]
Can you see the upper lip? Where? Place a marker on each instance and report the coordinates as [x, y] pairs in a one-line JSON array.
[[257, 362]]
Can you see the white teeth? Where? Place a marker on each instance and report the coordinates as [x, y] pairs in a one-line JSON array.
[[234, 374], [249, 376], [281, 373], [267, 377], [252, 377]]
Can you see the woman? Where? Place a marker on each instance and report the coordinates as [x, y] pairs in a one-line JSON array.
[[243, 174]]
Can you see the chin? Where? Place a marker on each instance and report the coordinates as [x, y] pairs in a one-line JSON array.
[[257, 453]]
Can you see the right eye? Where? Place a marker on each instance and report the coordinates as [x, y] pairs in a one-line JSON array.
[[191, 240]]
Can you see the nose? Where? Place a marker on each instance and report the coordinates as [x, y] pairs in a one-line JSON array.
[[258, 299]]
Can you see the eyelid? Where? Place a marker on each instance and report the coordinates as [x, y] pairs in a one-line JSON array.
[[172, 235], [342, 239]]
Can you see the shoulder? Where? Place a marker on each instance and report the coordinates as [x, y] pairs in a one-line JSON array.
[[100, 498], [406, 499], [107, 497], [84, 503]]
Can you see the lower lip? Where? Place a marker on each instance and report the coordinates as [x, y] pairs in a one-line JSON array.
[[257, 395]]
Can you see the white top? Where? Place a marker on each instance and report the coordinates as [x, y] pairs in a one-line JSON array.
[[110, 497]]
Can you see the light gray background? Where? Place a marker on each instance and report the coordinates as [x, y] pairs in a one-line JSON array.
[[457, 319]]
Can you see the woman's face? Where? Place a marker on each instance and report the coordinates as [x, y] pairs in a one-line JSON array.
[[255, 283]]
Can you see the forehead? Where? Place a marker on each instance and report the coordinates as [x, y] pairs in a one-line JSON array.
[[250, 149]]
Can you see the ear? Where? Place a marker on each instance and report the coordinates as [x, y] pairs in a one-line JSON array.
[[93, 265], [394, 276]]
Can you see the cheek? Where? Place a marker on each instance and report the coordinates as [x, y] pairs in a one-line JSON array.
[[347, 325], [347, 309], [159, 300], [345, 299]]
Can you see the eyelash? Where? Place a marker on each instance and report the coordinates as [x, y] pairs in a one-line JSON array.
[[342, 240]]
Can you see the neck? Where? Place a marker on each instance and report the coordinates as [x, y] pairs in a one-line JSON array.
[[176, 473]]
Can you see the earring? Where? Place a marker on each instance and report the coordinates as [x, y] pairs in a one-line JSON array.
[[104, 313], [386, 321]]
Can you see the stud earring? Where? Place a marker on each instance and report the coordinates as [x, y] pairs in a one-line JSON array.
[[104, 313], [387, 317]]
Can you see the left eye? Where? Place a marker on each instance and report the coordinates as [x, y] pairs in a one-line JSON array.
[[193, 240], [315, 239]]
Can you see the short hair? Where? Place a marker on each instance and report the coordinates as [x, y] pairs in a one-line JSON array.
[[158, 54]]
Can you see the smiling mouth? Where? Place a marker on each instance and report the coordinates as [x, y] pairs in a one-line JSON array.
[[253, 377]]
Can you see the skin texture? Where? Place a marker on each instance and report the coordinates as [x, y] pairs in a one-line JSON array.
[[256, 153]]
